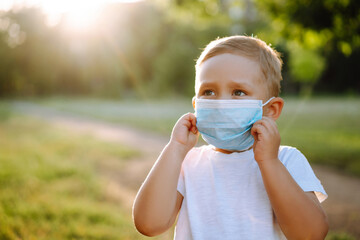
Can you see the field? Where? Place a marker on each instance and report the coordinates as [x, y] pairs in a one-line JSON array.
[[326, 130], [52, 186]]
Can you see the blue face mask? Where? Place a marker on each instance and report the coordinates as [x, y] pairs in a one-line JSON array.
[[226, 124]]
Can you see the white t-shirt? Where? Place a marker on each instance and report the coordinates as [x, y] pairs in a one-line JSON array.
[[225, 198]]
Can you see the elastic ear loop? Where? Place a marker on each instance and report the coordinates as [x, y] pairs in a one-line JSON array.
[[268, 101]]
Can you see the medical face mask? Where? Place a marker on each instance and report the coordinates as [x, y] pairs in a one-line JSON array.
[[226, 124]]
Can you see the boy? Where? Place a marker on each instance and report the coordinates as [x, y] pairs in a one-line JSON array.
[[244, 185]]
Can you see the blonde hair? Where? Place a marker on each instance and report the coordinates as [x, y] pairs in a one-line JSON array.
[[253, 48]]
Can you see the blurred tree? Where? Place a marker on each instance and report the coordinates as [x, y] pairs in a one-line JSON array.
[[313, 35], [36, 65], [174, 69], [321, 37], [149, 48]]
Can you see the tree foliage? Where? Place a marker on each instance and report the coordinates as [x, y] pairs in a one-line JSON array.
[[321, 38], [148, 48]]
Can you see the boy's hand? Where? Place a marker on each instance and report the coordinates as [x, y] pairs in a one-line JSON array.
[[185, 132], [267, 140]]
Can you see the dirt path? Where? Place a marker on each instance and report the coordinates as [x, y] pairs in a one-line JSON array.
[[342, 206]]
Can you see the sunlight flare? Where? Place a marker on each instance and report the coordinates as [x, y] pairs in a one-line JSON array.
[[78, 15]]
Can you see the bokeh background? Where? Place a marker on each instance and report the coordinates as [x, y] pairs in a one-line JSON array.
[[90, 90]]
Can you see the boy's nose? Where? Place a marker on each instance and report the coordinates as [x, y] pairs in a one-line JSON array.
[[224, 96]]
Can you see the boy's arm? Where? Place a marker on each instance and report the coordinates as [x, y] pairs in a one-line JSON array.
[[298, 213], [158, 201]]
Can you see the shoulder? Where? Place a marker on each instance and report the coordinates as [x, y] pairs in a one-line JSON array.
[[295, 162], [288, 153], [291, 157], [196, 154], [284, 150], [204, 149]]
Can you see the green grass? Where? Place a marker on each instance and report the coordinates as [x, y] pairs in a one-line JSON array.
[[339, 236], [326, 130], [157, 116], [50, 187]]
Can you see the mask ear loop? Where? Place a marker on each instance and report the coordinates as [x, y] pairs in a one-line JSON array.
[[268, 101]]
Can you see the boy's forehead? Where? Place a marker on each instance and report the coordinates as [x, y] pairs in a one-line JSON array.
[[227, 66]]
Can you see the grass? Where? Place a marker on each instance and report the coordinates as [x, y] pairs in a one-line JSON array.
[[156, 116], [339, 236], [326, 130], [50, 187]]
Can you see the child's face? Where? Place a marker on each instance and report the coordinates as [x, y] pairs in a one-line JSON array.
[[229, 76]]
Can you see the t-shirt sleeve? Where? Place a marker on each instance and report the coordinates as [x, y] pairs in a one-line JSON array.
[[301, 171]]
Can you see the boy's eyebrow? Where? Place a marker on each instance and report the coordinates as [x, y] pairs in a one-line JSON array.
[[208, 84], [235, 84], [239, 84]]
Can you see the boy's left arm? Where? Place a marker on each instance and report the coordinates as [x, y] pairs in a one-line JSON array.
[[298, 213]]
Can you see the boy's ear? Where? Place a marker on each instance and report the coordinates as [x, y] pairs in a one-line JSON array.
[[193, 102], [273, 108]]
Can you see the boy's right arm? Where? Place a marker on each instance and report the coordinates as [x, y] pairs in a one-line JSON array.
[[158, 201]]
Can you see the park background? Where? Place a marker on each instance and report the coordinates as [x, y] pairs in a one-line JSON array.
[[90, 91]]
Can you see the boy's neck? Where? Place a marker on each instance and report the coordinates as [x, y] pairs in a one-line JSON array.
[[228, 151]]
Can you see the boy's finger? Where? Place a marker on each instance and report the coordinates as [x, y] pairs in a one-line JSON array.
[[254, 133], [194, 121], [259, 131], [194, 130], [257, 128], [190, 117], [270, 125], [260, 123], [187, 120]]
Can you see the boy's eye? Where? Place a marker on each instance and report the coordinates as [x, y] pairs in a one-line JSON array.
[[238, 93], [209, 93]]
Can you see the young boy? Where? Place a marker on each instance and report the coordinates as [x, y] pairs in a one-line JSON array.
[[244, 185]]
